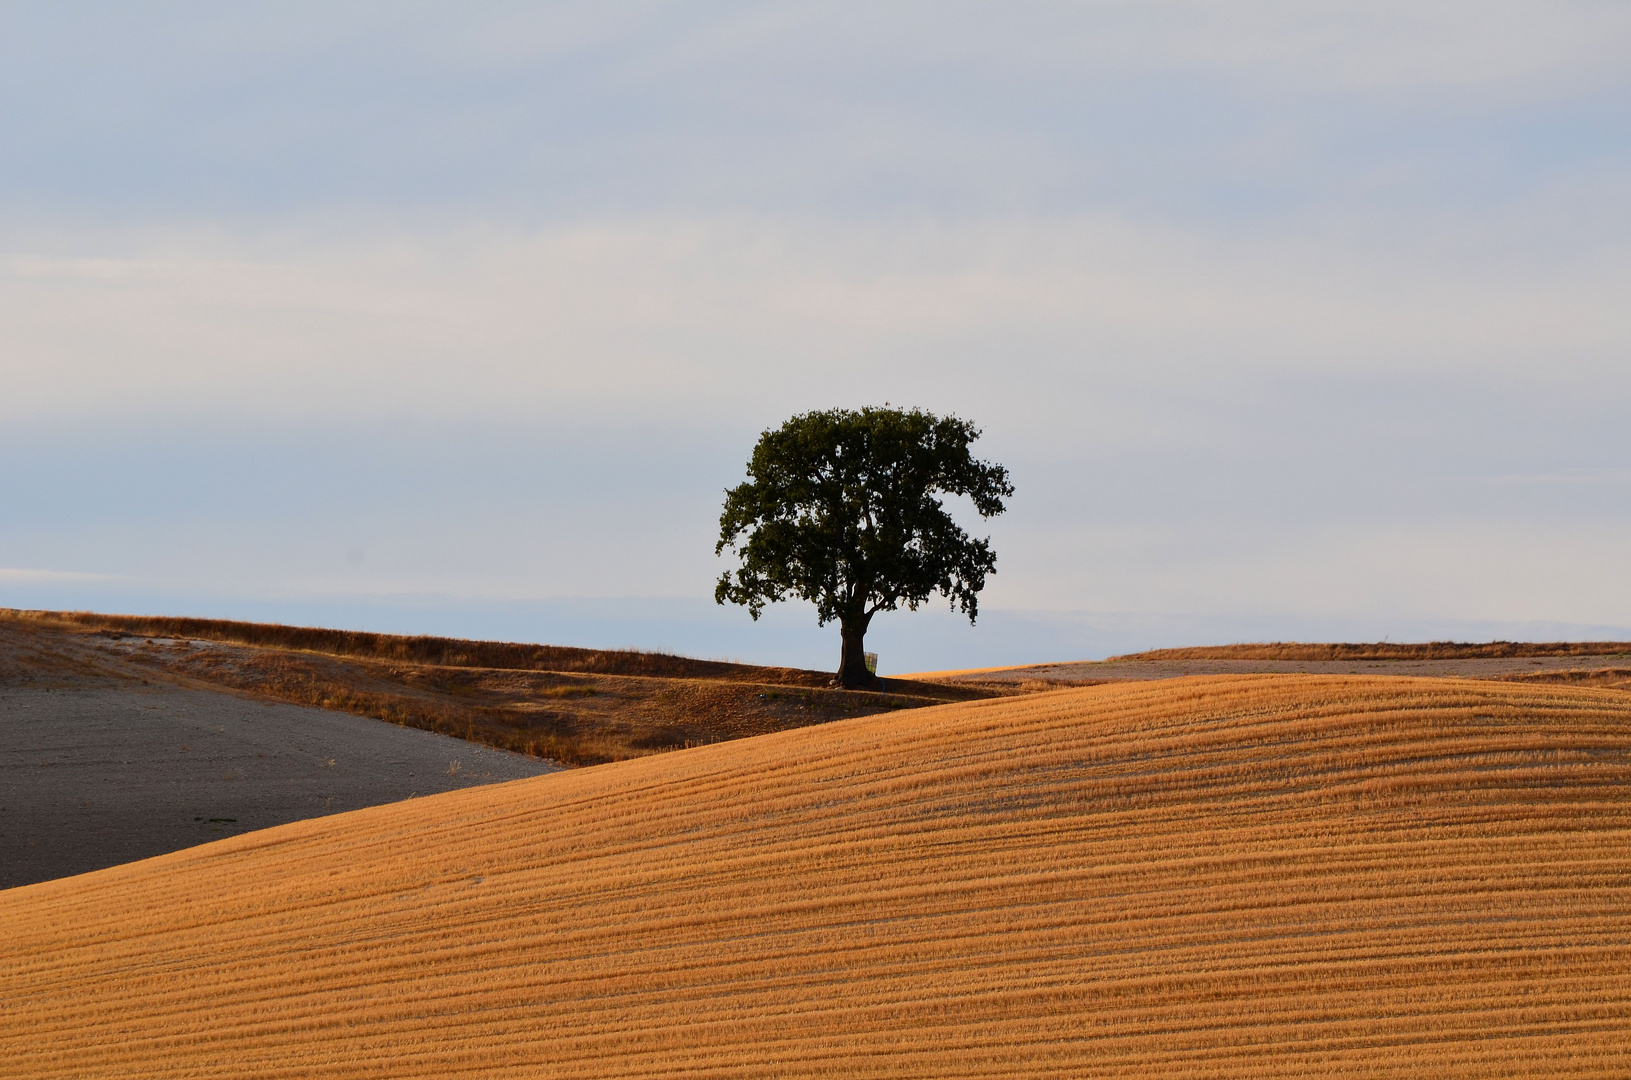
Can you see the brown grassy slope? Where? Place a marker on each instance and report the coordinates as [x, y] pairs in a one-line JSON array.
[[601, 706], [1229, 877], [1385, 650], [435, 651]]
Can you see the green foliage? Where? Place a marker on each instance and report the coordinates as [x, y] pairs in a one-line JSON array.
[[841, 509]]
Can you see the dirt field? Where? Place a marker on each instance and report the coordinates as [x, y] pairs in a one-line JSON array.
[[1387, 650], [102, 764], [96, 776], [1228, 877], [1127, 668]]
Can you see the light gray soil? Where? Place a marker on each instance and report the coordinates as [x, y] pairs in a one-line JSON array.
[[1469, 668], [92, 776]]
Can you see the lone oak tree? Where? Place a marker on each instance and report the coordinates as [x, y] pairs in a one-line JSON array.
[[841, 510]]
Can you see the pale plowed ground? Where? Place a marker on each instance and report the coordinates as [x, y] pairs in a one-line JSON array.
[[1229, 877], [1131, 667]]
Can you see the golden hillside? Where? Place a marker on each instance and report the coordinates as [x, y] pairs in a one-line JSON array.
[[1252, 876]]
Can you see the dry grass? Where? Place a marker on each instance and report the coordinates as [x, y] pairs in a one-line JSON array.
[[600, 706], [1384, 650], [1608, 678], [1273, 876], [433, 651]]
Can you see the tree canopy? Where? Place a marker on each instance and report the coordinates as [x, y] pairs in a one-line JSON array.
[[841, 509]]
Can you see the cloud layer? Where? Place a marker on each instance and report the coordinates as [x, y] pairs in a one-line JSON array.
[[1288, 317]]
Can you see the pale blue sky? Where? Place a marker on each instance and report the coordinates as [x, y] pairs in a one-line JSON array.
[[1290, 320]]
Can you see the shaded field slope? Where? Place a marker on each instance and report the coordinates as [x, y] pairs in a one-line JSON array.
[[96, 776], [574, 706], [1242, 877]]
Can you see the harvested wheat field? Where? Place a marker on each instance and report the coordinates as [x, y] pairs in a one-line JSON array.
[[1232, 877]]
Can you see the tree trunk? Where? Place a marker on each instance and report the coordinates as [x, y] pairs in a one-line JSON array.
[[852, 672]]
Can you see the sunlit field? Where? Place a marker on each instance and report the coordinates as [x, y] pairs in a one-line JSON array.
[[1251, 876]]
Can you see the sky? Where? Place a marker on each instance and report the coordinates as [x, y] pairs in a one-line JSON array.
[[1290, 322]]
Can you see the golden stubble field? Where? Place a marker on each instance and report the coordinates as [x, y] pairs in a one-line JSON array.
[[1282, 876]]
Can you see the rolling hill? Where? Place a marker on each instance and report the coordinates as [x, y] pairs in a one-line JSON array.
[[1268, 876], [569, 705]]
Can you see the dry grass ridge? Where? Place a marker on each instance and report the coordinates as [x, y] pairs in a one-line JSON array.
[[416, 649], [575, 706], [1285, 876]]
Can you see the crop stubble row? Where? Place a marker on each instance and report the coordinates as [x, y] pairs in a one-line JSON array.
[[1253, 876]]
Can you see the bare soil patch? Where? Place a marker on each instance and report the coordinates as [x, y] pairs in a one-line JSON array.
[[96, 775], [1610, 670], [1388, 650]]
